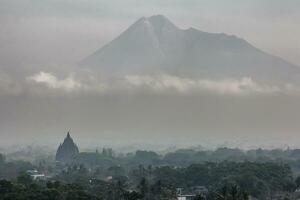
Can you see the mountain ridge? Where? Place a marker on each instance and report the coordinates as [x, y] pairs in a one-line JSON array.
[[155, 44]]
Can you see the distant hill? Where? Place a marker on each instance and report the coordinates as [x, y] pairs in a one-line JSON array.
[[155, 44]]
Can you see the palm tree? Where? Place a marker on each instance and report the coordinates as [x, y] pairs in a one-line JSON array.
[[143, 187], [234, 192]]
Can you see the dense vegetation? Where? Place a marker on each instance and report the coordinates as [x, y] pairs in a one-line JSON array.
[[13, 168], [186, 157], [258, 179], [226, 173]]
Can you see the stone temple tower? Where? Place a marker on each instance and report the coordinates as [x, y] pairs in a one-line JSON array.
[[67, 150]]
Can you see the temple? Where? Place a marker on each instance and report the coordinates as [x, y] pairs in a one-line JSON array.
[[67, 150]]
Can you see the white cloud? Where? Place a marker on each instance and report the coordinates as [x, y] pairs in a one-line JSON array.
[[158, 83], [227, 86], [51, 81]]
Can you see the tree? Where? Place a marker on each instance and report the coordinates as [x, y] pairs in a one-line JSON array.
[[119, 190], [234, 192], [5, 187], [144, 188], [199, 197], [132, 195], [297, 181], [2, 159], [24, 179]]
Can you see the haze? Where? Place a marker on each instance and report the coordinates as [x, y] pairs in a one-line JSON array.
[[44, 93]]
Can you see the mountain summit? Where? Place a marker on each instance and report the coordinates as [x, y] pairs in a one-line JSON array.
[[155, 44]]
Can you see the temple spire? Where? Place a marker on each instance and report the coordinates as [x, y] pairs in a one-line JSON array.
[[67, 150]]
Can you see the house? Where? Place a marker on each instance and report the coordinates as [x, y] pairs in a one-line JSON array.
[[186, 197], [35, 175], [181, 196], [38, 177], [199, 189]]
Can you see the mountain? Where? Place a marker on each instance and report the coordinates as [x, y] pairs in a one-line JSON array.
[[155, 44], [67, 150]]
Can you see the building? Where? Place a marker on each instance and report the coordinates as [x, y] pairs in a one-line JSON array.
[[67, 150], [186, 197], [200, 190], [35, 175], [181, 196]]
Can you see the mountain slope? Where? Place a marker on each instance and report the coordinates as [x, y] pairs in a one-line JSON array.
[[155, 44]]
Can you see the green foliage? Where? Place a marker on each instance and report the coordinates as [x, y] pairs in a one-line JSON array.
[[24, 179], [52, 191], [259, 179], [2, 159], [75, 174], [226, 192], [199, 197], [297, 182], [147, 175], [103, 160], [10, 170]]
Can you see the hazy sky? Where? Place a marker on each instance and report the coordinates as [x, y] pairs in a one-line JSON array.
[[42, 94], [68, 30]]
